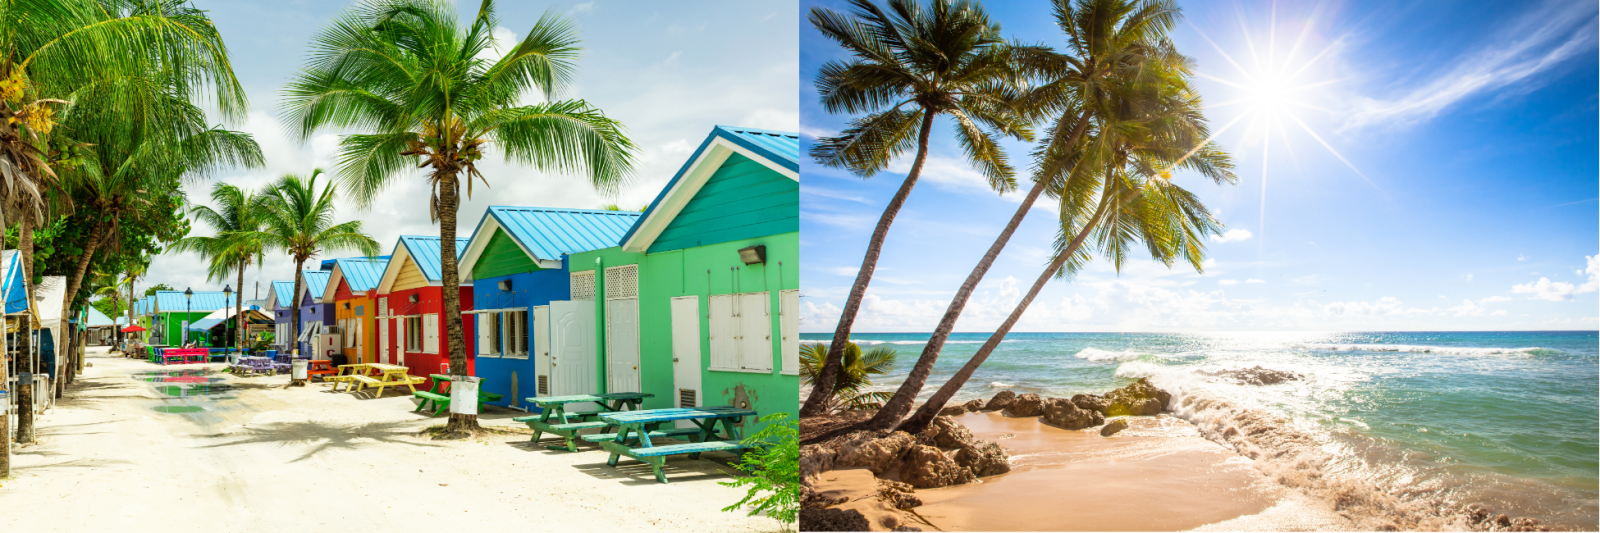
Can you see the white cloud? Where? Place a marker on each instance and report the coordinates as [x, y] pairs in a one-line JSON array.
[[1228, 282], [1521, 258], [842, 271], [1233, 235], [1557, 291], [772, 119], [1493, 299], [1311, 279], [1253, 280], [1536, 42], [816, 133], [581, 8]]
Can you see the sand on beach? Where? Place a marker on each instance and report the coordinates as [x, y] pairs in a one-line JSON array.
[[1157, 475], [122, 454]]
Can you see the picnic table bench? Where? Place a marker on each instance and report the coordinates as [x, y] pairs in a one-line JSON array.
[[555, 407], [439, 395], [634, 433], [181, 355], [359, 376]]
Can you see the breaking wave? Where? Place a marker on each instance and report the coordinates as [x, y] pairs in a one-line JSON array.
[[1447, 350], [1095, 354]]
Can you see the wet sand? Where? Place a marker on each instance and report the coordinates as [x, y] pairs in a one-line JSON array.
[[1157, 475]]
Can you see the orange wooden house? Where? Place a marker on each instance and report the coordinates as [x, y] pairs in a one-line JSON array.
[[352, 287]]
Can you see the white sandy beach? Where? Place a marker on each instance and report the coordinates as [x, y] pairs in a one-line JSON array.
[[262, 457]]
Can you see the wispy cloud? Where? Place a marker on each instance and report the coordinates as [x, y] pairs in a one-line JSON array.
[[1557, 291], [1234, 235], [1537, 41]]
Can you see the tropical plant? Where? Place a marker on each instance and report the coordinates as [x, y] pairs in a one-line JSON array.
[[909, 66], [151, 291], [432, 94], [773, 463], [856, 370], [1109, 43], [298, 219], [237, 244], [1151, 130]]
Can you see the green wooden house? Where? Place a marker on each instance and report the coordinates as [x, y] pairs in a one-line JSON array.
[[171, 312], [699, 304]]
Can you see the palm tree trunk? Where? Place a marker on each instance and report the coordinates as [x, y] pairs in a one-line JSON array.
[[899, 404], [25, 356], [294, 312], [930, 409], [238, 312], [5, 380], [127, 338], [73, 283], [455, 337], [822, 386]]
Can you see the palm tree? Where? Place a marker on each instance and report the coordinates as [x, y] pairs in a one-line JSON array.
[[236, 245], [909, 66], [298, 218], [855, 374], [433, 94], [1144, 135], [1109, 42]]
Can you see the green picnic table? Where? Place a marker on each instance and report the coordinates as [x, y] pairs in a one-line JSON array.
[[556, 407], [439, 395], [634, 433]]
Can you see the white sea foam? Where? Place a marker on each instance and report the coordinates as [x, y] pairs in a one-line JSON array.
[[1447, 350], [1095, 354], [999, 385], [917, 343]]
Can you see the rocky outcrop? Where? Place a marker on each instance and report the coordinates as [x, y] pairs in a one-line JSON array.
[[973, 406], [897, 494], [1139, 398], [927, 467], [1113, 427], [983, 459], [880, 456], [1024, 406], [833, 520], [1062, 413], [1260, 376], [945, 433], [1000, 400], [1089, 402], [1481, 518], [953, 410], [815, 459], [811, 499]]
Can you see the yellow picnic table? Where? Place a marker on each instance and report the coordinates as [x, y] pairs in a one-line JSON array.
[[359, 376]]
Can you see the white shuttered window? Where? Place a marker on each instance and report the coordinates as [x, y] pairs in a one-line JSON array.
[[790, 321], [741, 332], [724, 333], [430, 333]]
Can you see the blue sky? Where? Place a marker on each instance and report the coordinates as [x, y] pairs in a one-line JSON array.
[[1402, 167], [668, 71]]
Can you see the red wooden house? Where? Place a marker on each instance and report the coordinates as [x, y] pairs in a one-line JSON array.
[[410, 330]]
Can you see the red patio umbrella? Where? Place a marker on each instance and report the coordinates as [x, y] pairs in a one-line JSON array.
[[133, 329]]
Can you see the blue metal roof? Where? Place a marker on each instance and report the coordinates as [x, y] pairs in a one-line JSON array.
[[362, 274], [780, 147], [425, 253], [284, 292], [175, 302], [97, 318], [316, 283], [550, 232]]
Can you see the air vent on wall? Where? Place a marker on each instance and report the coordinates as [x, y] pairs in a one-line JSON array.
[[686, 398], [544, 385]]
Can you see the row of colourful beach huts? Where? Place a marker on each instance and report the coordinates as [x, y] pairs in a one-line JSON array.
[[695, 300]]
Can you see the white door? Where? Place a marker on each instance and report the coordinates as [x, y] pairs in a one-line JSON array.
[[686, 353], [622, 345], [541, 349], [383, 341], [572, 351], [400, 341], [361, 340]]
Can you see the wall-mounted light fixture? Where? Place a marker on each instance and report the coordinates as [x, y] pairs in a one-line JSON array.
[[412, 298], [753, 255], [505, 285]]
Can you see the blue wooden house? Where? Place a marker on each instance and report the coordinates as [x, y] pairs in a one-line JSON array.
[[282, 304], [515, 263]]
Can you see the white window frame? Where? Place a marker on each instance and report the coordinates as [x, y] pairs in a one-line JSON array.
[[517, 335], [486, 330], [413, 332]]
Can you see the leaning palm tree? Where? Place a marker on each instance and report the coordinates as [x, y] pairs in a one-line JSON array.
[[435, 95], [1148, 134], [909, 66], [1112, 46], [298, 219], [237, 244]]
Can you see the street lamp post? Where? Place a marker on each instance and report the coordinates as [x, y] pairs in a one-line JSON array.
[[228, 293], [188, 314]]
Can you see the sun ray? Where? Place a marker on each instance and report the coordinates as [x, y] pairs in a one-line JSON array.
[[1203, 144], [1338, 155], [1224, 53], [1266, 150]]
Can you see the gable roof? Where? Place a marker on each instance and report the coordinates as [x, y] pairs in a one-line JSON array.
[[283, 293], [547, 233], [16, 291], [776, 150], [175, 302], [423, 252], [97, 318], [360, 273], [316, 283]]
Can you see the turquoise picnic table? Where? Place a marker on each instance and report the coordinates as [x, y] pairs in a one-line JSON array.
[[563, 424], [634, 433], [439, 395]]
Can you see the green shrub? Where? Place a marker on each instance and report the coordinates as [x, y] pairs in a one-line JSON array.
[[774, 467]]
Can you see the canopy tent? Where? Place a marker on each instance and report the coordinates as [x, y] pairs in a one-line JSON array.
[[133, 329], [49, 298], [221, 315]]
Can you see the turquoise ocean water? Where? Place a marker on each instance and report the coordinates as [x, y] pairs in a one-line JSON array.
[[1506, 419]]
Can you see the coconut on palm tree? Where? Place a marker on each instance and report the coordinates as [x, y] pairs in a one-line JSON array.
[[432, 94], [237, 245], [910, 65], [297, 218]]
